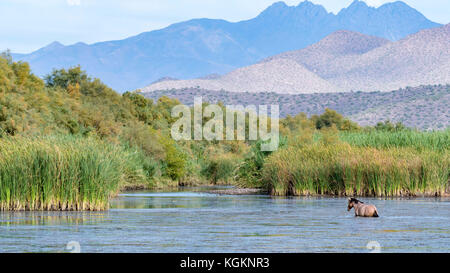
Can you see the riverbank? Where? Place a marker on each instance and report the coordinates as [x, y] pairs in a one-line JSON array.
[[341, 169], [239, 191], [71, 173], [63, 173], [251, 191], [404, 163]]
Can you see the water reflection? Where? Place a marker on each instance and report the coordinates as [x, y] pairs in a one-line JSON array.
[[44, 218]]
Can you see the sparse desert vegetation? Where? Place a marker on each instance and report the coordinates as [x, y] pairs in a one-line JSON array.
[[424, 107]]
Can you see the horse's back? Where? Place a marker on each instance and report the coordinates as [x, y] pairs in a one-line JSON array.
[[368, 211]]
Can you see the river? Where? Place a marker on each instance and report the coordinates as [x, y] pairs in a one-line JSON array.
[[189, 220]]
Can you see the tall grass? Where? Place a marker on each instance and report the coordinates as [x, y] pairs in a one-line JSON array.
[[437, 140], [342, 169], [63, 173]]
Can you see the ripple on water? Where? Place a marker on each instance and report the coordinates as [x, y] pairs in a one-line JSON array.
[[192, 221]]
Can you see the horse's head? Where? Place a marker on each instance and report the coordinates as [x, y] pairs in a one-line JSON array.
[[352, 202]]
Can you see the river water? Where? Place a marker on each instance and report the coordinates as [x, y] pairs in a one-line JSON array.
[[192, 221]]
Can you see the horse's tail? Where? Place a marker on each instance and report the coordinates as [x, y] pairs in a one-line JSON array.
[[375, 214]]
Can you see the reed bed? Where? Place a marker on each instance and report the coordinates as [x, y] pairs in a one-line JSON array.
[[342, 169], [62, 173], [436, 140]]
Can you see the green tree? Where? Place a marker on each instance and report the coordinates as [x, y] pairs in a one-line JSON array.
[[389, 126], [332, 118], [175, 159]]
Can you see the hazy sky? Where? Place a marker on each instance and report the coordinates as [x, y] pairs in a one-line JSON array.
[[26, 25]]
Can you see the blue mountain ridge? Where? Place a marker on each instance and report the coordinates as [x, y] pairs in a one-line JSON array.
[[199, 47]]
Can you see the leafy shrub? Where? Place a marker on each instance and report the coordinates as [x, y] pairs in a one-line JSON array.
[[220, 168]]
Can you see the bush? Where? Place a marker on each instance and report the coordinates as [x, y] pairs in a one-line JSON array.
[[220, 168], [175, 160]]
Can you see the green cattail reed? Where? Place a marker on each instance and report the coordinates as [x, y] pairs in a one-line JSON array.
[[62, 173], [437, 140], [342, 169]]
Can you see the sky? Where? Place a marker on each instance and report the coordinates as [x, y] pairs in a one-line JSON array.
[[27, 25]]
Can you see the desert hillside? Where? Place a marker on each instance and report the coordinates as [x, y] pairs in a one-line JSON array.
[[343, 61], [424, 107], [278, 75]]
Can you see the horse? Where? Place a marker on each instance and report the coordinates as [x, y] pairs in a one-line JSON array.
[[362, 209]]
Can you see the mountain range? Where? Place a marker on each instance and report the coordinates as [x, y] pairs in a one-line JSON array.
[[341, 62], [200, 47]]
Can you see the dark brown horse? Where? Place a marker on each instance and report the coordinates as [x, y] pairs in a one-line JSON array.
[[362, 209]]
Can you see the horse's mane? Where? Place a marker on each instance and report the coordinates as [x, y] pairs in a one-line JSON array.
[[356, 201]]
